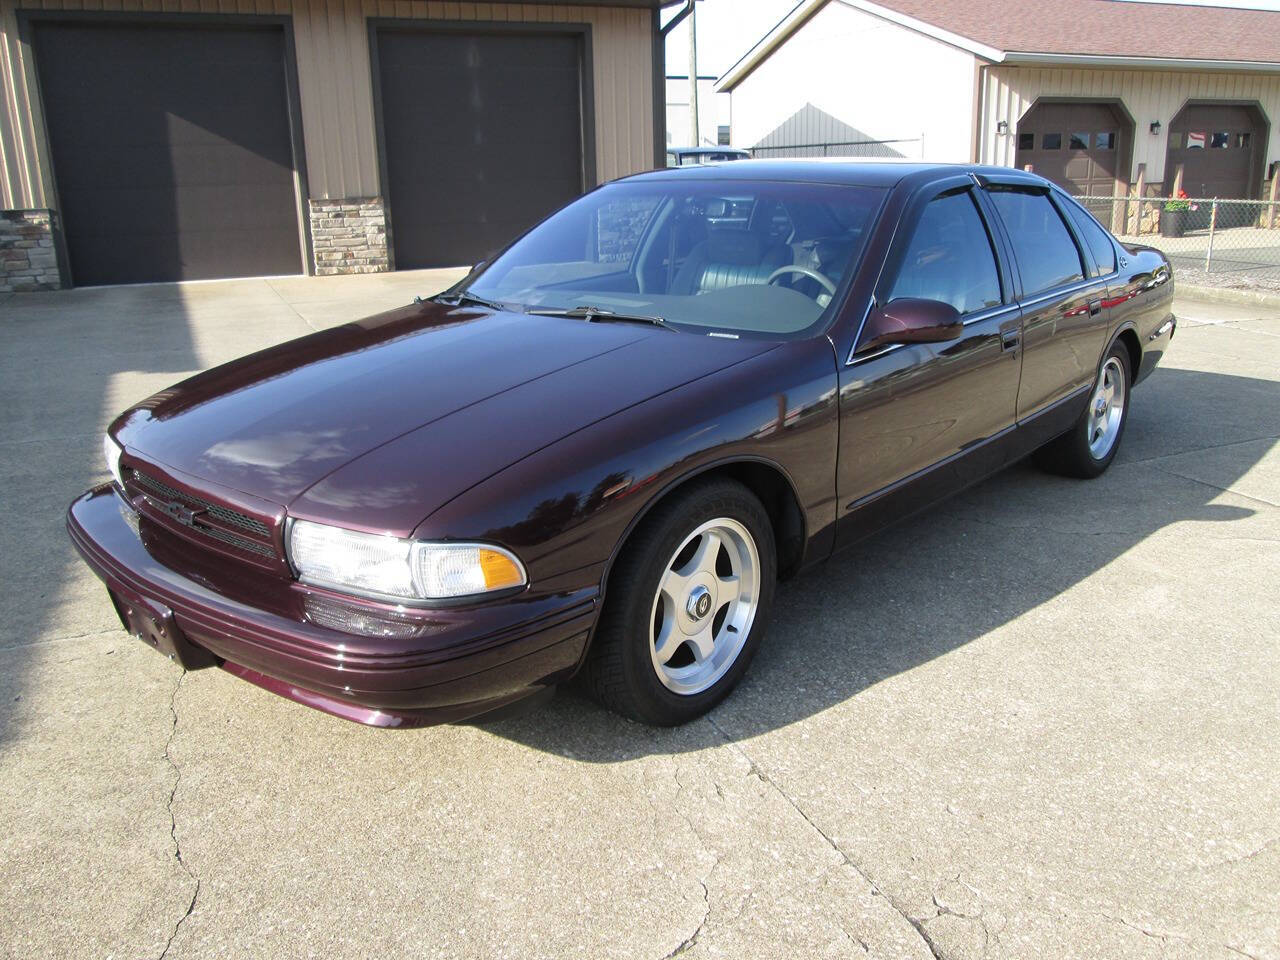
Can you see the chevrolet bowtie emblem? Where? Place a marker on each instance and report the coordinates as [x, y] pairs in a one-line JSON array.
[[179, 511]]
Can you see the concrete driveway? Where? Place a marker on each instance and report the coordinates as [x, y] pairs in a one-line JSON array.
[[1041, 721]]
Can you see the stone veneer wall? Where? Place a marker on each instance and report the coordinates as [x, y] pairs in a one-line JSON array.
[[349, 236], [28, 260]]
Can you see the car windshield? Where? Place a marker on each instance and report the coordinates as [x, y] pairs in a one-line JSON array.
[[742, 257]]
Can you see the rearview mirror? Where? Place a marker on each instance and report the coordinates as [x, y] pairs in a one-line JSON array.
[[909, 320]]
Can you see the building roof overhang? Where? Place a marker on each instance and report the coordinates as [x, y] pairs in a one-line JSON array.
[[806, 9]]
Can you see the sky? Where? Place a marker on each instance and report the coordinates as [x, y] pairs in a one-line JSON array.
[[729, 28]]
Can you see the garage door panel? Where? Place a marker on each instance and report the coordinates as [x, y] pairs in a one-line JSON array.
[[482, 137], [1208, 142], [1088, 135], [172, 150]]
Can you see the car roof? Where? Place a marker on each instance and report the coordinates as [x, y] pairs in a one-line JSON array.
[[852, 171]]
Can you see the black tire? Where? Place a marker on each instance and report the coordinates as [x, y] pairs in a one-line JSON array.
[[1070, 455], [620, 671]]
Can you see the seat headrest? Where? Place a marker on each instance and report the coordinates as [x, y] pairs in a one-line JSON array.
[[737, 247]]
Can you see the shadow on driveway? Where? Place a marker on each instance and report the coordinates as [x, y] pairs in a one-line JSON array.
[[67, 364], [955, 572]]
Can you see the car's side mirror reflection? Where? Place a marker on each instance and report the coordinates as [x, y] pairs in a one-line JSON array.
[[910, 320]]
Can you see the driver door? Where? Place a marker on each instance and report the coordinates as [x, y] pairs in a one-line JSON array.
[[918, 421]]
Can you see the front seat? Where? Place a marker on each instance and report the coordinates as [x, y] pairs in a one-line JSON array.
[[729, 258]]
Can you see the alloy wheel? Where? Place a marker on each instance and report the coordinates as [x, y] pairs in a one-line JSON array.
[[704, 606], [1106, 409]]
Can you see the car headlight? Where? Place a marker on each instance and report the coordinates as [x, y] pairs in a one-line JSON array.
[[111, 450], [393, 568]]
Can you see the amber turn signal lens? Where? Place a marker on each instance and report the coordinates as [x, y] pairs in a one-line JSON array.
[[499, 570]]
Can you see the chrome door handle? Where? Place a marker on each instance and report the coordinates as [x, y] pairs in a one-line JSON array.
[[1095, 307], [1009, 340]]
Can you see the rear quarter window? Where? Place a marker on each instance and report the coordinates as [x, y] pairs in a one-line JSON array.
[[1046, 253], [1096, 239]]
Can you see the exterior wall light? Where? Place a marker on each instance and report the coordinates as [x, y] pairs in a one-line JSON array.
[[1002, 127], [1155, 128]]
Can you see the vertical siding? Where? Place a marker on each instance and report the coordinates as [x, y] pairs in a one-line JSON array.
[[1009, 92], [336, 89]]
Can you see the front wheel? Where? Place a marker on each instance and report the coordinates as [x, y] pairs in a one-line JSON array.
[[687, 604], [1088, 448]]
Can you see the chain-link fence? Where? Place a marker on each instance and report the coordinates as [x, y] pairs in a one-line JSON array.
[[1224, 242], [842, 148]]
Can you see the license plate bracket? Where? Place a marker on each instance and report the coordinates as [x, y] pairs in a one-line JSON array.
[[154, 624]]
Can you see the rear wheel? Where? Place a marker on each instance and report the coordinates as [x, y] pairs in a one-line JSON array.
[[1088, 448], [687, 605]]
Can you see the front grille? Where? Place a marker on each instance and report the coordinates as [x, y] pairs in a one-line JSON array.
[[216, 521], [241, 543], [224, 514]]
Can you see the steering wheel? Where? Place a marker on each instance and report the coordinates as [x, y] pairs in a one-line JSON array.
[[809, 272]]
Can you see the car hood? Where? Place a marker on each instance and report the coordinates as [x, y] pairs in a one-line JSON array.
[[376, 423]]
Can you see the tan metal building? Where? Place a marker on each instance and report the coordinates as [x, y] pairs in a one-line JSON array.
[[154, 140], [1097, 95]]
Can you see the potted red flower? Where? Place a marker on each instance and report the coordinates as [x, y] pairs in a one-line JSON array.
[[1173, 217]]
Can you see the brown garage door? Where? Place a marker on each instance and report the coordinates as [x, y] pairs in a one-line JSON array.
[[1076, 145], [171, 150], [1216, 145], [481, 137]]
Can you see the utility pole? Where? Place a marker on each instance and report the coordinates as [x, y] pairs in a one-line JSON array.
[[693, 73]]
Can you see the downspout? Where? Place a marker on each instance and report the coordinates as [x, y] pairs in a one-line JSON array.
[[660, 79], [678, 18], [658, 66], [979, 93]]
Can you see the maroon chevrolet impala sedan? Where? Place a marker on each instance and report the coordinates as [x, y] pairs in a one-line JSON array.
[[598, 453]]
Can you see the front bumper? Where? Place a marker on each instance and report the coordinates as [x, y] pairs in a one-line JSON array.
[[460, 662]]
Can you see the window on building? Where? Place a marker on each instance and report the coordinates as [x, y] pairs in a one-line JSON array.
[[619, 225], [1196, 139], [1047, 256], [722, 135], [1079, 141], [1051, 141], [1242, 141], [1026, 141], [1220, 140], [1105, 141], [950, 257]]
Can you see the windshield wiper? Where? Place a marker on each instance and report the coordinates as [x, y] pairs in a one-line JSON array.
[[458, 299], [599, 315]]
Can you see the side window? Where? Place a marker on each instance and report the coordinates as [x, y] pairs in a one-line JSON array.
[[1097, 239], [950, 257], [1047, 256]]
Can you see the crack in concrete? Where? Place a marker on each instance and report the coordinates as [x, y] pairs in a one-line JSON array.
[[876, 890], [1153, 934], [946, 911], [173, 820], [1214, 486], [1165, 936], [1244, 858], [691, 941], [1179, 453], [1042, 529], [292, 308], [67, 639]]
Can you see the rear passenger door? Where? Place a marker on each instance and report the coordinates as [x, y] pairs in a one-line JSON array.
[[917, 421], [1064, 320]]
